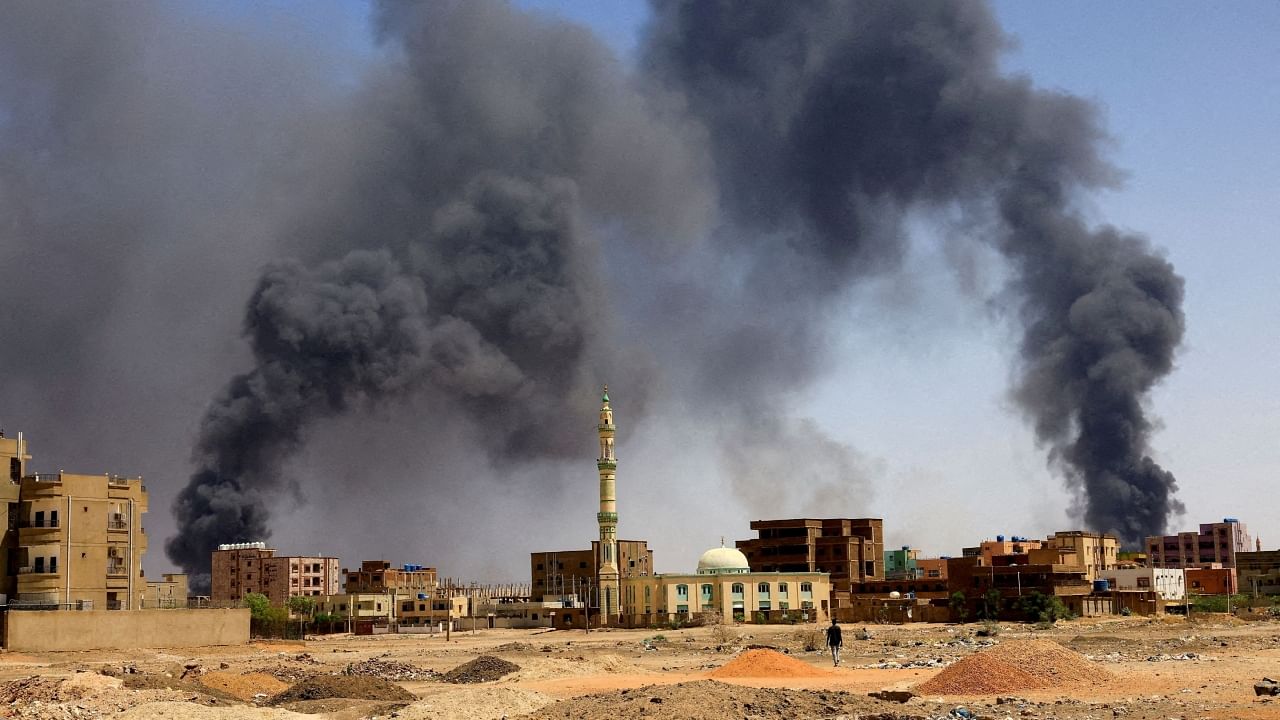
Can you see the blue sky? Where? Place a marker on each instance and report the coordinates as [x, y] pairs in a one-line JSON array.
[[1190, 93]]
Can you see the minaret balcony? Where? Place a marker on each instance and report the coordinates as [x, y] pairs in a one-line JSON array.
[[602, 426], [607, 464], [607, 517]]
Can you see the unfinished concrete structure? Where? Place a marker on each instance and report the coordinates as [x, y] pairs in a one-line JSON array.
[[850, 550], [1259, 571]]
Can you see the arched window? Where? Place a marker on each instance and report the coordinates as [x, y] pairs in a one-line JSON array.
[[806, 587], [682, 592], [763, 588], [706, 592], [737, 588], [646, 593], [782, 588]]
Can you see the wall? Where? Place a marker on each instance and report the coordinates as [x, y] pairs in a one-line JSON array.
[[39, 631]]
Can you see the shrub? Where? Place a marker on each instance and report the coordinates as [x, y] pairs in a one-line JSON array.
[[959, 605], [723, 635], [990, 628], [810, 637], [1042, 608]]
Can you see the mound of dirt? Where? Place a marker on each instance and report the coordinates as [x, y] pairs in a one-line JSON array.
[[711, 700], [244, 687], [485, 668], [761, 662], [389, 670], [513, 647], [324, 687], [1015, 665]]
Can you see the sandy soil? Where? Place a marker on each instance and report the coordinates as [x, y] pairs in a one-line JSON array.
[[1166, 668]]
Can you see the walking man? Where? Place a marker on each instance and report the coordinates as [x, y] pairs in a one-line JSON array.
[[834, 641]]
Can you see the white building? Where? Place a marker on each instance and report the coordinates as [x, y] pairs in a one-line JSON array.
[[1170, 583]]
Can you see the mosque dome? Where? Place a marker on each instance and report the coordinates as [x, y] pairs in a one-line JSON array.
[[722, 560]]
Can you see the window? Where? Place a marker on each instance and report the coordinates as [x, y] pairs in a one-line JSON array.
[[53, 519], [764, 606], [738, 590], [39, 518], [539, 566], [763, 588], [706, 593], [682, 592], [806, 587], [53, 564], [682, 609], [582, 565], [782, 588]]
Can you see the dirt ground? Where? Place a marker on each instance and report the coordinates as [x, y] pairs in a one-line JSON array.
[[1148, 669]]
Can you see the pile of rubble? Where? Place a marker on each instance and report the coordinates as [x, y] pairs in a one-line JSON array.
[[485, 668], [389, 670], [908, 664]]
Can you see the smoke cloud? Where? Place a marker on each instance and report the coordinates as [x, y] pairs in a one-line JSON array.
[[474, 223]]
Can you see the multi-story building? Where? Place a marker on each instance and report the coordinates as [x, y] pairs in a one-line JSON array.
[[901, 564], [70, 541], [80, 541], [1168, 583], [376, 576], [13, 460], [1259, 571], [168, 592], [238, 569], [851, 551], [1097, 552], [1214, 543], [574, 572]]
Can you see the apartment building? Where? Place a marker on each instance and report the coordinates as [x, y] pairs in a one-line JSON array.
[[559, 573], [901, 564], [1012, 545], [1099, 553], [80, 541], [238, 569], [1214, 543], [13, 459], [850, 550]]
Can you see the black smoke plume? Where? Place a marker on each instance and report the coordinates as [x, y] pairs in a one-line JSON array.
[[490, 214], [830, 121]]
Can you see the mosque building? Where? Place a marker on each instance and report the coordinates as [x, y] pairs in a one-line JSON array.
[[725, 589]]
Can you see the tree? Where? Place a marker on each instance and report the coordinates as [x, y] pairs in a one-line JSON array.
[[259, 605], [1039, 607], [302, 605], [959, 605], [989, 609]]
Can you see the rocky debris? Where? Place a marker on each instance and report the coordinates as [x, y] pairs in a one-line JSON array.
[[766, 663], [907, 664], [285, 672], [324, 687], [1266, 686], [389, 670], [485, 668], [514, 647], [1165, 657], [84, 696], [898, 696]]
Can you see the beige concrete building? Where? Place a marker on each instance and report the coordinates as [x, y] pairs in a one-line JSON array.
[[238, 569], [724, 587], [168, 592], [13, 458], [1097, 552], [80, 541]]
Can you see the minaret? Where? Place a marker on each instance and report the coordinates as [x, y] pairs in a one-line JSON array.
[[608, 515]]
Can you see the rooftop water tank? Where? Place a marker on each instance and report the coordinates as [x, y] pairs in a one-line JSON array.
[[999, 538], [1230, 520], [1101, 586]]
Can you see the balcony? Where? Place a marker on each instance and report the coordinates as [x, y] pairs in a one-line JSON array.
[[120, 481], [38, 570], [39, 524], [117, 570], [117, 522], [55, 478]]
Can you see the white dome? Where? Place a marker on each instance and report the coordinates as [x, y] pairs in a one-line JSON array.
[[723, 560]]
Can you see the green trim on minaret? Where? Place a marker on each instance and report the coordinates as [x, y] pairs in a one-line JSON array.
[[605, 398]]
